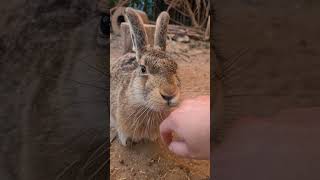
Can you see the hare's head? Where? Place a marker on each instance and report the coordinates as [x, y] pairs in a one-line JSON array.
[[155, 82]]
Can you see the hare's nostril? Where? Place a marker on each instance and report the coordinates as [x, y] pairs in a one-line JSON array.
[[167, 98]]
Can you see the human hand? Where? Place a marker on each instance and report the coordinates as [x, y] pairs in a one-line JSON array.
[[191, 123]]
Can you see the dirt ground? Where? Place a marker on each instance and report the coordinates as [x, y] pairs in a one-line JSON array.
[[153, 160]]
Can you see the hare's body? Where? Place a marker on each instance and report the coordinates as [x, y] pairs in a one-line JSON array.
[[144, 84], [130, 118]]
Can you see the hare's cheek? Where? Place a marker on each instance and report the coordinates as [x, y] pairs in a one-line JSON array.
[[155, 97], [150, 84]]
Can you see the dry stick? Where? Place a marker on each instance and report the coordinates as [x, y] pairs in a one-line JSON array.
[[181, 12], [207, 32], [207, 15], [172, 29], [203, 10], [180, 56], [120, 4], [188, 8], [172, 4], [194, 21], [198, 9], [176, 22]]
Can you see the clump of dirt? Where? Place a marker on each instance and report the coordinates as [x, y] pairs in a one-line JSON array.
[[153, 160]]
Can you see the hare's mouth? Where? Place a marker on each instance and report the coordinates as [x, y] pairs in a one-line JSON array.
[[172, 104], [161, 103], [163, 106]]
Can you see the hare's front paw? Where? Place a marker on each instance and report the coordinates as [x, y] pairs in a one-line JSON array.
[[112, 122], [124, 139]]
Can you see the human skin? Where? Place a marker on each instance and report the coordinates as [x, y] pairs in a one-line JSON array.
[[191, 123]]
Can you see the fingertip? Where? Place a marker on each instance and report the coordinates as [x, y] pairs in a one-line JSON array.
[[179, 148]]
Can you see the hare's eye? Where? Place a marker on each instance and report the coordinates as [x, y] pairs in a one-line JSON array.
[[143, 69]]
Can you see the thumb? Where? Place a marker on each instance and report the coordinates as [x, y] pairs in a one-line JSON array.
[[166, 130], [180, 148]]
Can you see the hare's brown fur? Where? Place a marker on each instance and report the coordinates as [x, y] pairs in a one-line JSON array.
[[141, 84]]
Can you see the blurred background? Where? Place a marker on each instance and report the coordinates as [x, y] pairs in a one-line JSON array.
[[269, 51]]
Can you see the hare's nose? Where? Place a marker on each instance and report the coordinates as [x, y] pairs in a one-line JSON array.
[[166, 97]]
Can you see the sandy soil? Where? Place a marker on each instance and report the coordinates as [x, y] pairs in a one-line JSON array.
[[153, 160]]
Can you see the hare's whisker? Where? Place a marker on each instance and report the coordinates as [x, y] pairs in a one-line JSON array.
[[234, 58], [134, 112], [87, 84], [146, 121], [136, 121], [93, 156], [140, 122], [95, 68], [78, 82], [64, 107], [99, 169]]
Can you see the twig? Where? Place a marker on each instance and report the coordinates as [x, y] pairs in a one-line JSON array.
[[207, 15], [179, 55], [172, 4], [194, 21], [177, 22], [120, 3]]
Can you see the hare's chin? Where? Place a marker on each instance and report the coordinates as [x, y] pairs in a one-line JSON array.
[[164, 107], [158, 108]]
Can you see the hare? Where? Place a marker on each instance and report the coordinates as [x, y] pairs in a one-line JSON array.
[[145, 86]]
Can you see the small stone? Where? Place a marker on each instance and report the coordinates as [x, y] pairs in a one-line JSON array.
[[151, 162], [181, 38]]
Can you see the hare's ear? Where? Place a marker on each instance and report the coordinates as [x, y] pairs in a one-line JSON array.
[[160, 37], [137, 31]]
